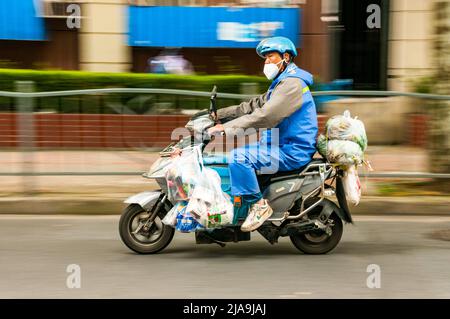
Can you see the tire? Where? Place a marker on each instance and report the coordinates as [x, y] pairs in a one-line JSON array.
[[317, 242], [155, 240]]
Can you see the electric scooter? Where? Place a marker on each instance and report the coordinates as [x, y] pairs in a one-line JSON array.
[[302, 202]]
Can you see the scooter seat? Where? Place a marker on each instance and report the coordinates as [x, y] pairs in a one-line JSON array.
[[265, 179], [295, 171]]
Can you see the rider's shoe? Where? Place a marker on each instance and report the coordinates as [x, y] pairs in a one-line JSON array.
[[258, 214]]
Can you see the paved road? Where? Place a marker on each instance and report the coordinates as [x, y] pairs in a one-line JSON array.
[[36, 250]]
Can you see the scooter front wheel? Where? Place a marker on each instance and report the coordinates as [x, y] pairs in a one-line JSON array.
[[142, 238]]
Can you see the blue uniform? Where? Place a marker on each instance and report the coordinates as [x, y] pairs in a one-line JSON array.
[[297, 140]]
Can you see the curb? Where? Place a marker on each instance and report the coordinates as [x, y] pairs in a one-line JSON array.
[[110, 205]]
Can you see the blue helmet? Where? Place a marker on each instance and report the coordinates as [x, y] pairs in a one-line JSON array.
[[278, 44]]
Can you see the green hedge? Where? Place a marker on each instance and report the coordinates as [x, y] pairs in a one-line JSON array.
[[77, 80], [73, 80], [122, 103]]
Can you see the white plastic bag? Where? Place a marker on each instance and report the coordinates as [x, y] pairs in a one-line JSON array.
[[344, 153], [209, 204], [171, 217], [188, 180], [352, 186], [345, 140], [220, 213], [182, 174], [343, 127]]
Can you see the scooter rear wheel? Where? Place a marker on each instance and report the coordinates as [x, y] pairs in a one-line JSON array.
[[317, 242], [150, 241]]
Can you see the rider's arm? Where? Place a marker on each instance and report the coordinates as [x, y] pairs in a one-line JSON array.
[[286, 98], [235, 111]]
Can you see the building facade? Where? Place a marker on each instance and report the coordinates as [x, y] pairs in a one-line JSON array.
[[333, 37]]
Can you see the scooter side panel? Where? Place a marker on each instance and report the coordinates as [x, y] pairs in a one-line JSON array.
[[310, 183], [282, 194]]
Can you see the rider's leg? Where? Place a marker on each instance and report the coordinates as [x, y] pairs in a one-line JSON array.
[[242, 165]]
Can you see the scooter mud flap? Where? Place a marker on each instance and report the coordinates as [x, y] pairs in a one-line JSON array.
[[340, 194]]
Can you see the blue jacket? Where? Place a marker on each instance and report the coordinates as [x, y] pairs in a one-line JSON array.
[[288, 106], [298, 132]]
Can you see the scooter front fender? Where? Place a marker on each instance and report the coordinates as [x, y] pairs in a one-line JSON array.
[[145, 199]]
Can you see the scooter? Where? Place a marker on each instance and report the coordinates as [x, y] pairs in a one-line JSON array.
[[300, 200]]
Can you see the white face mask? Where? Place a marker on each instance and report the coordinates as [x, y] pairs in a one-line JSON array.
[[271, 70]]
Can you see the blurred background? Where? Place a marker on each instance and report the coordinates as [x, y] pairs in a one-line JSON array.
[[95, 145]]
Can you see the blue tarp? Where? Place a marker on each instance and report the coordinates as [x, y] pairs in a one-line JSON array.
[[19, 21], [209, 27]]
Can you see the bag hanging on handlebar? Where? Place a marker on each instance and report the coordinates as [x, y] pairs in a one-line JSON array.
[[210, 206], [182, 174]]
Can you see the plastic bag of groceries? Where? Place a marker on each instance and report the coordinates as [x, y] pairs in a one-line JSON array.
[[322, 145], [340, 152], [209, 204], [345, 140], [217, 214], [352, 186], [344, 127], [185, 222], [182, 174], [344, 153]]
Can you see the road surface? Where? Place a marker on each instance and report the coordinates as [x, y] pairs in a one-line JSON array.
[[36, 251]]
